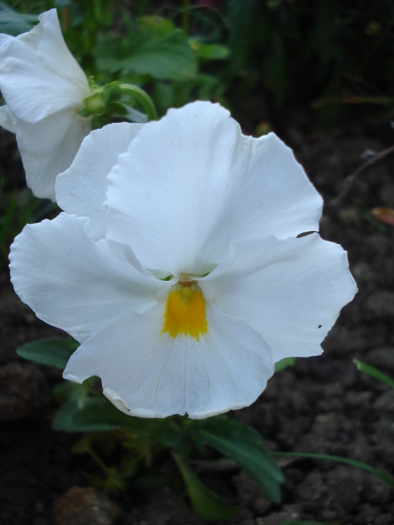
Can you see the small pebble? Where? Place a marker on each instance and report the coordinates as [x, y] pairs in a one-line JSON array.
[[85, 506]]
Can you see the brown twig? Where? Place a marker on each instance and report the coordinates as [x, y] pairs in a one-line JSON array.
[[350, 180]]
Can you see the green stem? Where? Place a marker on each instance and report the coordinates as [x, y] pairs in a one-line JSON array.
[[142, 97], [99, 461], [186, 16]]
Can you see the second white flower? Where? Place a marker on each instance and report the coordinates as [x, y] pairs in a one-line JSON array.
[[44, 88]]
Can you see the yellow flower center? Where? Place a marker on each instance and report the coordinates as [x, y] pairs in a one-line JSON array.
[[185, 310]]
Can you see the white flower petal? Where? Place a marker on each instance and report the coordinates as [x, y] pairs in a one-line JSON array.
[[7, 120], [39, 76], [291, 291], [190, 195], [81, 189], [191, 183], [54, 53], [75, 283], [49, 147], [149, 374]]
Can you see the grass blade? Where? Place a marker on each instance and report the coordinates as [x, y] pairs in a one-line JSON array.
[[338, 459], [373, 372]]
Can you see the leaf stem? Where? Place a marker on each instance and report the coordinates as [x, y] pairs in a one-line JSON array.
[[142, 97]]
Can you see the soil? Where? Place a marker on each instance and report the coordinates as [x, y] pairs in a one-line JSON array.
[[322, 405]]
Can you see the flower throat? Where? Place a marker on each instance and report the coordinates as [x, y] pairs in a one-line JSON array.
[[185, 310]]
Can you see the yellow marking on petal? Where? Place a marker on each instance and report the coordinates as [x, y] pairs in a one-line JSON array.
[[185, 312]]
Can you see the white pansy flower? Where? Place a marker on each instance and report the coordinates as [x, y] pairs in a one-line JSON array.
[[176, 263], [43, 87]]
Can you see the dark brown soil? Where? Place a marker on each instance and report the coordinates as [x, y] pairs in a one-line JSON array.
[[322, 405]]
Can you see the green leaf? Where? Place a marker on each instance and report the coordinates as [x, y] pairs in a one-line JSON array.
[[168, 57], [53, 351], [204, 501], [103, 416], [173, 436], [338, 459], [68, 390], [156, 24], [209, 51], [14, 23], [85, 409], [75, 398], [285, 363], [244, 445], [374, 372], [93, 414]]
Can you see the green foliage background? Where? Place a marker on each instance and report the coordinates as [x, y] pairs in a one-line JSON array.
[[290, 51]]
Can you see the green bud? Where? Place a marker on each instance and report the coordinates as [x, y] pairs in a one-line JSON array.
[[117, 99], [94, 104]]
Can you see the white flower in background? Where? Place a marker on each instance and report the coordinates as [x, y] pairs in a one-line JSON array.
[[43, 87], [176, 263]]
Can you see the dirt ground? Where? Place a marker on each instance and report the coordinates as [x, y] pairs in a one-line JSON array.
[[322, 405]]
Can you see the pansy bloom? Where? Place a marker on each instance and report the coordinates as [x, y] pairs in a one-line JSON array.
[[44, 88], [178, 266]]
